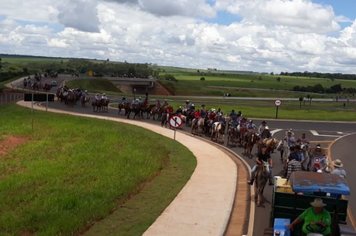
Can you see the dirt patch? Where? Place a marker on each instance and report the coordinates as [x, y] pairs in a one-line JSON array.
[[11, 142]]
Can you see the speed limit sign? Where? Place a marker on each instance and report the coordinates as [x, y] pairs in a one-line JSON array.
[[278, 102]]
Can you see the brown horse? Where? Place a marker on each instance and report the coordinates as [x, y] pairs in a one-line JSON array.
[[250, 139], [261, 179], [270, 143]]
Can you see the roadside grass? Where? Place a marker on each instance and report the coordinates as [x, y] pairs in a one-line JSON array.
[[74, 171], [93, 85]]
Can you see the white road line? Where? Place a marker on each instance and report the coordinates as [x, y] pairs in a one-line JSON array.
[[273, 132], [315, 133]]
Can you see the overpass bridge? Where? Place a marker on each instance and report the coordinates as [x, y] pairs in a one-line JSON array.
[[133, 82]]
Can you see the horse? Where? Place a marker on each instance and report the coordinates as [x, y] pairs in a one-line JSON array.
[[270, 143], [125, 105], [135, 108], [232, 135], [218, 131], [84, 99], [196, 124], [261, 178], [250, 139], [147, 109], [101, 105], [69, 97]]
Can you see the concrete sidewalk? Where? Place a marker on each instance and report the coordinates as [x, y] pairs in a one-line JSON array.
[[204, 205]]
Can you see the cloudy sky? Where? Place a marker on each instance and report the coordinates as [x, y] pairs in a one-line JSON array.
[[257, 35]]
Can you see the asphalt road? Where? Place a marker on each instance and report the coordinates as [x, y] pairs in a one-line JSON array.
[[317, 132]]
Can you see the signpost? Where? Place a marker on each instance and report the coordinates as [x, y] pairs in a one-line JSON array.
[[277, 103], [175, 122]]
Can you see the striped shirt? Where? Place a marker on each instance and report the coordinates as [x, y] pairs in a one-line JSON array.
[[293, 165]]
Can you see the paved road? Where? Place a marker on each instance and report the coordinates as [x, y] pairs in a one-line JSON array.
[[341, 150]]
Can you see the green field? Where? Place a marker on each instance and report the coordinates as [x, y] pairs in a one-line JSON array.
[[253, 85], [70, 172]]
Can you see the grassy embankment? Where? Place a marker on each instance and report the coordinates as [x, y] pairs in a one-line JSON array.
[[94, 85], [71, 172]]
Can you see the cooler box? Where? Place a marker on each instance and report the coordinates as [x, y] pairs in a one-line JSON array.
[[281, 227]]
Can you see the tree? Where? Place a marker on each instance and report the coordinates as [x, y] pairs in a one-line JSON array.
[[300, 102]]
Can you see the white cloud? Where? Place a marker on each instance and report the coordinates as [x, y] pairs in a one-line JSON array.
[[79, 14], [178, 7], [272, 35], [299, 15]]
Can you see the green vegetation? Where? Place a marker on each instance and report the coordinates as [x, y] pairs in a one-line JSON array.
[[93, 85], [71, 172], [251, 84]]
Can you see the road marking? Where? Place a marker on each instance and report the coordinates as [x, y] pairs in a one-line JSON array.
[[315, 133], [349, 212], [273, 132]]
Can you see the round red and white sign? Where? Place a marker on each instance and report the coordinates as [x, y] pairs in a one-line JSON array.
[[278, 102], [175, 121]]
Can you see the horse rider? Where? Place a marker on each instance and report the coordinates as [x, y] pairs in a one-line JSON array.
[[187, 105], [290, 138], [262, 156], [197, 114], [104, 97], [97, 97], [233, 118], [318, 159], [203, 111], [123, 100], [165, 103], [338, 170], [179, 111], [262, 127], [303, 140], [158, 104], [251, 127]]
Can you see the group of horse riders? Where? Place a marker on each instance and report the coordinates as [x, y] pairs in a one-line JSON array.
[[71, 96]]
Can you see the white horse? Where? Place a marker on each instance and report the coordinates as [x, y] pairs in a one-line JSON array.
[[218, 132]]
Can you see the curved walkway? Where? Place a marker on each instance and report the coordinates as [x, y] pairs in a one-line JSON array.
[[204, 205]]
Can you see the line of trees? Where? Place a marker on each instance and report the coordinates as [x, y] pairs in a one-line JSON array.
[[76, 66], [318, 88], [332, 76]]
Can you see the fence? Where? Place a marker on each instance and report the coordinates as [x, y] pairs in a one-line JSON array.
[[10, 97]]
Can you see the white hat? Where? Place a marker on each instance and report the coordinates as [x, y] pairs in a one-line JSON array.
[[318, 202], [338, 163]]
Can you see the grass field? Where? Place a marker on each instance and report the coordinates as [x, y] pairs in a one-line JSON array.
[[70, 172], [248, 85]]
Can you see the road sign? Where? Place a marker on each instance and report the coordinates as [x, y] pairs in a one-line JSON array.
[[278, 102], [175, 121]]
